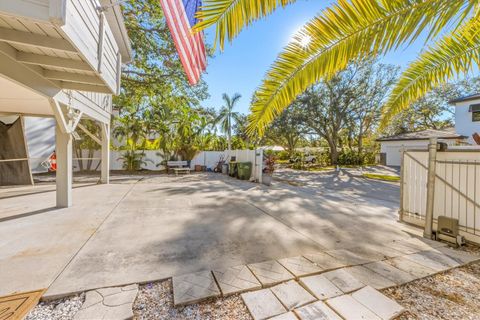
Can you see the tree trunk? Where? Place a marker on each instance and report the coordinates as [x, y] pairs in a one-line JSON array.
[[333, 151]]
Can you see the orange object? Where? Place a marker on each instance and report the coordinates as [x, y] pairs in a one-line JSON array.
[[53, 162]]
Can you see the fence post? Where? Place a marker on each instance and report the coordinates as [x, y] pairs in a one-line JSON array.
[[402, 182], [432, 157]]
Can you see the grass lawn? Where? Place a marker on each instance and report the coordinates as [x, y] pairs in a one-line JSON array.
[[383, 177]]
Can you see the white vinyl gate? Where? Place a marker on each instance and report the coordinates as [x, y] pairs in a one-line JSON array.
[[456, 192]]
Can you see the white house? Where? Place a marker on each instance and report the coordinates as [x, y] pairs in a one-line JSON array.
[[59, 59], [467, 116], [391, 147], [467, 123]]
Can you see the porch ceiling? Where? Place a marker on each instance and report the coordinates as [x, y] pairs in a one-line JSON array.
[[43, 49], [17, 99]]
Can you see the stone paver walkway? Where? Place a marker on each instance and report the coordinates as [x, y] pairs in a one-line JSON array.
[[292, 295], [270, 273], [108, 303], [263, 304], [346, 280], [194, 287], [236, 280]]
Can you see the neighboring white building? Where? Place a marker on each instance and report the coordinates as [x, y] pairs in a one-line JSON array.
[[467, 123], [392, 146], [467, 116]]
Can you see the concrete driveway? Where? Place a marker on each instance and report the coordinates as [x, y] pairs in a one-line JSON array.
[[140, 229]]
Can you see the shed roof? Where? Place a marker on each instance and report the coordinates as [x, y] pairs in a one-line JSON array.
[[448, 133]]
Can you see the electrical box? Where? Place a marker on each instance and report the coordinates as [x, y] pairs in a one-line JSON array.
[[447, 230]]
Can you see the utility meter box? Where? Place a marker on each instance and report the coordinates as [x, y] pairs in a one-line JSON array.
[[447, 230]]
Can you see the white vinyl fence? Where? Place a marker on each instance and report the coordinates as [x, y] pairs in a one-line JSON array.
[[152, 160], [456, 191]]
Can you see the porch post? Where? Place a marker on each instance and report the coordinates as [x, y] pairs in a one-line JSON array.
[[105, 175], [432, 157], [63, 151]]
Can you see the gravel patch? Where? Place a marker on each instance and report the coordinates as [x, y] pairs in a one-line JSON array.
[[454, 294], [155, 301], [63, 309]]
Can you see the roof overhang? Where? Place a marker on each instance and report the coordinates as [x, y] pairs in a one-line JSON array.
[[464, 99]]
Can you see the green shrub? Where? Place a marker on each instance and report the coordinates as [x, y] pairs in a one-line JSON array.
[[353, 158], [282, 155]]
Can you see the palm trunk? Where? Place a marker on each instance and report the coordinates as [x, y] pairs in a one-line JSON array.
[[229, 135]]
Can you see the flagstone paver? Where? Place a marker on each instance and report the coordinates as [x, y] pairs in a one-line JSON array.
[[316, 311], [348, 257], [459, 256], [108, 303], [263, 304], [415, 269], [368, 253], [320, 287], [299, 266], [292, 295], [270, 273], [350, 309], [324, 261], [385, 250], [401, 247], [414, 245], [193, 287], [285, 316], [378, 303], [236, 280], [370, 277], [433, 260], [344, 280], [390, 272]]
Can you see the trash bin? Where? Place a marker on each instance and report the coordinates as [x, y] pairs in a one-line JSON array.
[[233, 169], [225, 168], [244, 170]]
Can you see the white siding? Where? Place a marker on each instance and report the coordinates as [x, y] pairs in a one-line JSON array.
[[393, 149], [83, 29], [40, 136], [463, 120]]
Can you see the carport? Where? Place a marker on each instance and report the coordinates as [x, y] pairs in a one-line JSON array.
[[63, 60]]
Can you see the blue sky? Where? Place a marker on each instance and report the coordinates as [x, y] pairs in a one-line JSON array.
[[241, 66]]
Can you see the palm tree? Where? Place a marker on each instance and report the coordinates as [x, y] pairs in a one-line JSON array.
[[351, 30], [227, 116]]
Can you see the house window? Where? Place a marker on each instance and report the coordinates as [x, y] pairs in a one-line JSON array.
[[475, 110], [476, 116]]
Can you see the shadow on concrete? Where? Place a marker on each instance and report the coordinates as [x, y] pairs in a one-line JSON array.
[[27, 214]]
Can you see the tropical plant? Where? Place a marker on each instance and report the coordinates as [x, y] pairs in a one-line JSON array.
[[269, 167], [227, 116], [132, 160], [351, 30]]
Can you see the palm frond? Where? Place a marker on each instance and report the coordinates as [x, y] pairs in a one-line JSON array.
[[231, 16], [454, 54], [347, 31]]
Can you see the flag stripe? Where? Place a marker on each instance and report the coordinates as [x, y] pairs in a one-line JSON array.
[[172, 25], [186, 35], [190, 46]]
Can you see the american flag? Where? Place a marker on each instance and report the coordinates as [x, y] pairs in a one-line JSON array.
[[180, 16]]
